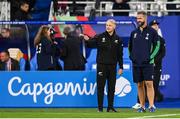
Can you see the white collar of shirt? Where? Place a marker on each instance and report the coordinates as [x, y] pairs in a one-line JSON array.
[[8, 64]]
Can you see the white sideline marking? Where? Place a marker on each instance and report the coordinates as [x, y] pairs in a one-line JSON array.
[[163, 115]]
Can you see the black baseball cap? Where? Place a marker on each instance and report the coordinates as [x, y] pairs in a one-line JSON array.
[[153, 22]]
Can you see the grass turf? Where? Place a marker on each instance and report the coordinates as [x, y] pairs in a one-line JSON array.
[[83, 113]]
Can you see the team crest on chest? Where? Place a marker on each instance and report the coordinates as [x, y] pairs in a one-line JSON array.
[[103, 40], [147, 36], [116, 41], [135, 35]]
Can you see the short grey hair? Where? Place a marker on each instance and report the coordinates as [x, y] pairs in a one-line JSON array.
[[112, 21]]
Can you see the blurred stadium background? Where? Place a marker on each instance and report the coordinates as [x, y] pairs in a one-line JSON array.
[[87, 17]]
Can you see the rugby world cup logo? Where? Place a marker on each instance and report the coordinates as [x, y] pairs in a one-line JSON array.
[[123, 87]]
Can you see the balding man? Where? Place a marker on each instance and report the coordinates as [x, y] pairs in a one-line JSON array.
[[109, 53]]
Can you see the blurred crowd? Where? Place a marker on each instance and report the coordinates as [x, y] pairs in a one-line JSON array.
[[21, 10], [88, 9]]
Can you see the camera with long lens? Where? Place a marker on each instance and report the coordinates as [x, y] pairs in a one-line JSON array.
[[52, 31]]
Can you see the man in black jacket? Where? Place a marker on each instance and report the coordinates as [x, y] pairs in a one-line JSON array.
[[158, 62], [121, 5], [109, 53], [71, 52], [22, 14], [7, 63]]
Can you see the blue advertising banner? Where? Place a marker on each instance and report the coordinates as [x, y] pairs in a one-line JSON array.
[[60, 89]]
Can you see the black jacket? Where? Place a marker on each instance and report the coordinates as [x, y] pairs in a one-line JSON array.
[[121, 6], [47, 55], [21, 16], [109, 48], [143, 46], [14, 65], [71, 53], [162, 52]]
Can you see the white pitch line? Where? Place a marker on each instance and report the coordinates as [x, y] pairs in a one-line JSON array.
[[163, 115]]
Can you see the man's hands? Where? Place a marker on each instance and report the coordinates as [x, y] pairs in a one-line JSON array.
[[85, 37], [120, 71]]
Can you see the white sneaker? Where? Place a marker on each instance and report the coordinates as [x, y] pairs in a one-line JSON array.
[[136, 106], [153, 106]]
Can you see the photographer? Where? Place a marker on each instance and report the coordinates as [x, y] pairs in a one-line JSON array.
[[47, 49]]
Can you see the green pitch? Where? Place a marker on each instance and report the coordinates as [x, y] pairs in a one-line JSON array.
[[84, 113]]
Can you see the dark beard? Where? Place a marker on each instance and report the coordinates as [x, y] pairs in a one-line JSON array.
[[140, 24]]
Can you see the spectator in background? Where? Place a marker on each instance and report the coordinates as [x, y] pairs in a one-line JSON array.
[[77, 9], [15, 6], [22, 14], [31, 4], [60, 9], [158, 62], [5, 33], [121, 5], [71, 52], [47, 49], [7, 63], [5, 39], [13, 37]]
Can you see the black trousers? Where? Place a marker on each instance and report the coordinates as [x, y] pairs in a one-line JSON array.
[[106, 72], [157, 75]]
